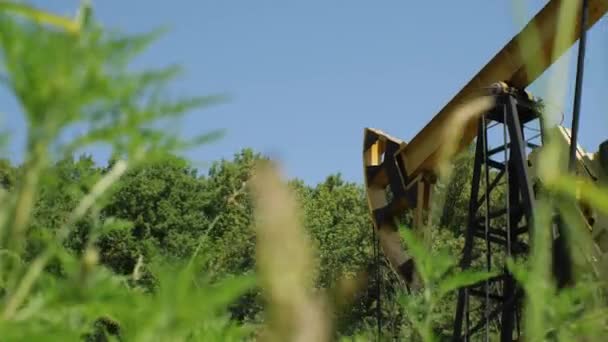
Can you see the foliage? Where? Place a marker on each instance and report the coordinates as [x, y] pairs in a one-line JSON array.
[[64, 80], [149, 248], [456, 192]]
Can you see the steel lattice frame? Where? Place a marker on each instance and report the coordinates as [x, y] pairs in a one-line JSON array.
[[504, 232]]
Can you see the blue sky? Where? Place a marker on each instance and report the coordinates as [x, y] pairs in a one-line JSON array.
[[306, 77]]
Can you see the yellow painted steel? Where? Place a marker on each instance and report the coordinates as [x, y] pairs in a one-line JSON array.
[[519, 63]]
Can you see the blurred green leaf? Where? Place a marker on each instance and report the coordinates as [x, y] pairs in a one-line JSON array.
[[463, 278], [39, 16]]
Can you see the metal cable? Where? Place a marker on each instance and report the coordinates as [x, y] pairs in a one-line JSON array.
[[487, 225], [508, 186], [378, 292], [508, 200], [578, 90]]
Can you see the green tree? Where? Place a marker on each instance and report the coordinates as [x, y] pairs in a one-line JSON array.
[[229, 240], [455, 193], [228, 205], [165, 202], [337, 217]]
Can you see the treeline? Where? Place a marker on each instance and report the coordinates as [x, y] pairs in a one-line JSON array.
[[166, 210]]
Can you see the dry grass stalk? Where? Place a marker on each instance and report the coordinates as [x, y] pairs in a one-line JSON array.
[[452, 133], [285, 263]]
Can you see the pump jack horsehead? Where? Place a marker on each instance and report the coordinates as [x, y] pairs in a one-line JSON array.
[[399, 176]]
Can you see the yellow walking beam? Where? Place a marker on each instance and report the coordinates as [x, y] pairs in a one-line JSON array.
[[519, 63]]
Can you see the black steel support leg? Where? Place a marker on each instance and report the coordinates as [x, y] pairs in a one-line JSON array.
[[472, 225], [520, 195], [562, 258], [518, 153]]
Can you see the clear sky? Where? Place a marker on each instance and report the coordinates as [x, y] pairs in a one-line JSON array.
[[306, 77]]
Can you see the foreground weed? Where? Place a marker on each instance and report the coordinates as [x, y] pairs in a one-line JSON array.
[[63, 81]]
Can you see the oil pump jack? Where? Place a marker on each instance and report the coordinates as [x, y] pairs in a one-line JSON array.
[[399, 176]]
